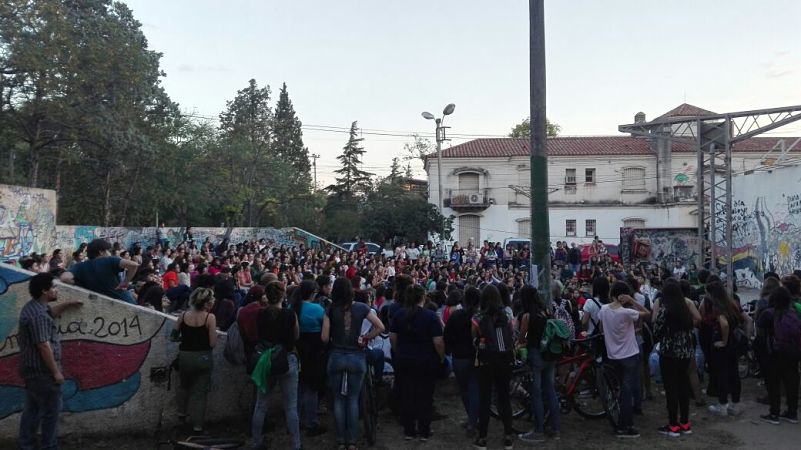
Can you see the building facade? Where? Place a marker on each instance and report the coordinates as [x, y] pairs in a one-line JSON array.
[[596, 184]]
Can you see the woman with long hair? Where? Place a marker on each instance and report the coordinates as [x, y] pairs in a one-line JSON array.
[[492, 329], [532, 327], [419, 351], [347, 363], [310, 349], [722, 318], [780, 324], [673, 330], [198, 330], [459, 344]]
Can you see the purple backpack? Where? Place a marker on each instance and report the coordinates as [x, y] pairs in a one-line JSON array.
[[787, 333]]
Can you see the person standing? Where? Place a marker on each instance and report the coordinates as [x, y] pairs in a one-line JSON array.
[[347, 363], [310, 348], [198, 330], [40, 363], [416, 336], [673, 330], [459, 344], [618, 320], [782, 326]]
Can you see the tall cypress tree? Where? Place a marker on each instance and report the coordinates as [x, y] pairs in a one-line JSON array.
[[352, 179], [287, 142]]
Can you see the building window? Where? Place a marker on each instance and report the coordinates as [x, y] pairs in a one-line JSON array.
[[683, 192], [468, 182], [524, 229], [570, 177], [469, 229], [634, 223], [634, 179], [589, 175], [570, 227], [589, 227]]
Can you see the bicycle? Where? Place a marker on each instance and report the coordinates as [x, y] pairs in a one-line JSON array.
[[577, 391]]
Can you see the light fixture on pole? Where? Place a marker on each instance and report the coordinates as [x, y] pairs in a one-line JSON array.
[[440, 137]]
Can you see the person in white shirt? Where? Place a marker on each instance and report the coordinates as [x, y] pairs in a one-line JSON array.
[[618, 320], [600, 297]]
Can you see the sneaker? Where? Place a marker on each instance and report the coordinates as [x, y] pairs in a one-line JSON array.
[[480, 444], [532, 437], [407, 437], [627, 433], [686, 428], [718, 410], [771, 419], [787, 417], [670, 430], [733, 410], [508, 442], [425, 437], [315, 431]]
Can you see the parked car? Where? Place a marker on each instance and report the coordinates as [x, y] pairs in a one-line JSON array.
[[517, 243], [612, 249]]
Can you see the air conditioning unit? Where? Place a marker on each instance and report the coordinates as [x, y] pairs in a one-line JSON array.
[[475, 199]]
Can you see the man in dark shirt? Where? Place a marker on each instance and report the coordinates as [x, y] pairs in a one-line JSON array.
[[40, 363], [101, 272]]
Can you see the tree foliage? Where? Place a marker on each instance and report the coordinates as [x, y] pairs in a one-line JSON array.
[[523, 129]]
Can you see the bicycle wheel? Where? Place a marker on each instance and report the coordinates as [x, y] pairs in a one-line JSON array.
[[519, 396], [586, 398], [609, 390], [369, 409]]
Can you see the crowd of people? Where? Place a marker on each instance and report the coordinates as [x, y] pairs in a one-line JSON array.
[[314, 321]]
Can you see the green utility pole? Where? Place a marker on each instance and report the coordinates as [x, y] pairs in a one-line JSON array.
[[540, 234]]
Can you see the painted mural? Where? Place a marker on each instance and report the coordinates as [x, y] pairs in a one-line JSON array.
[[766, 223], [659, 246], [27, 220]]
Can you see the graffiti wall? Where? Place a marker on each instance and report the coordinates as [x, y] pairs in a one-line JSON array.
[[766, 223], [27, 220], [659, 246], [115, 359]]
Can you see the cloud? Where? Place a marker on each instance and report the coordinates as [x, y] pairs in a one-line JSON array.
[[777, 73], [202, 68]]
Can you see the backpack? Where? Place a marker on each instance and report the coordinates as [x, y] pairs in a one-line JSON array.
[[234, 351], [496, 342], [561, 313], [787, 334], [279, 362], [555, 339]]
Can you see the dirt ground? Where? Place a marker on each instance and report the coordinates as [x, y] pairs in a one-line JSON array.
[[745, 431]]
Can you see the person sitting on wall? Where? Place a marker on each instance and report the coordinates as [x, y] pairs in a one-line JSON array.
[[40, 362], [100, 272]]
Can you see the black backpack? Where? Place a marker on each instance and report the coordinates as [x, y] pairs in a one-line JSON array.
[[495, 344]]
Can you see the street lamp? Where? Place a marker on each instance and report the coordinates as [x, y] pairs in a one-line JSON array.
[[440, 137]]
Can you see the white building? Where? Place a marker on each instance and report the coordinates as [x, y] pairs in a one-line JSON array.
[[597, 184]]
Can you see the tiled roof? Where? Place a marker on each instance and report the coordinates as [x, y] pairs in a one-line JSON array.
[[685, 110], [586, 146]]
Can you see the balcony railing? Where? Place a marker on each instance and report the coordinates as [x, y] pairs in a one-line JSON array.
[[467, 198]]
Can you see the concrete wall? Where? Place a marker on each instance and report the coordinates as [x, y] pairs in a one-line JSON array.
[[115, 357], [767, 223], [27, 220]]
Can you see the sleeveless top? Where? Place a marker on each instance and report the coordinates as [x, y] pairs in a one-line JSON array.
[[343, 339], [194, 339]]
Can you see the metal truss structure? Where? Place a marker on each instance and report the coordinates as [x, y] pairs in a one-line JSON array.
[[713, 136]]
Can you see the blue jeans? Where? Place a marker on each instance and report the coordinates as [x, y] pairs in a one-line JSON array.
[[543, 389], [309, 401], [351, 367], [375, 358], [467, 379], [626, 370], [289, 389], [638, 384], [42, 405]]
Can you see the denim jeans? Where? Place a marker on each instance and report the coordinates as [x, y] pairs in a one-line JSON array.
[[543, 390], [349, 366], [375, 358], [637, 394], [467, 379], [42, 405], [309, 400], [626, 370], [289, 389]]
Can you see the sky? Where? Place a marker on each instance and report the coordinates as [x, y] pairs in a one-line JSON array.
[[382, 63]]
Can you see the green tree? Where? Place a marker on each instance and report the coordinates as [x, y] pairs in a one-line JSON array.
[[394, 171], [352, 180], [523, 129], [288, 140]]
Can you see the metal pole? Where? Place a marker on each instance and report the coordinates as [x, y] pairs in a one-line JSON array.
[[540, 232], [441, 200], [700, 188], [730, 276]]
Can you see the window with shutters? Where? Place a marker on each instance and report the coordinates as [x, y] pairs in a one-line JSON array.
[[634, 223], [589, 176], [469, 229], [468, 182], [634, 179], [524, 229], [570, 181], [570, 227], [589, 227]]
